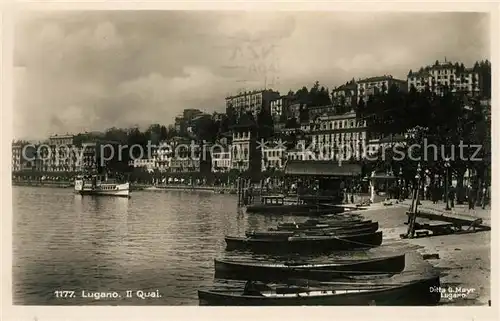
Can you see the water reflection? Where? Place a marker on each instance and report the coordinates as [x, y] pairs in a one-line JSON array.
[[164, 241]]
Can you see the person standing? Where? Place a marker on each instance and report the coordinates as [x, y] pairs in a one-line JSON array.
[[470, 197], [451, 196], [484, 195]]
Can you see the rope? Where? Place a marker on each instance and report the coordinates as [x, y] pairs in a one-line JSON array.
[[354, 242]]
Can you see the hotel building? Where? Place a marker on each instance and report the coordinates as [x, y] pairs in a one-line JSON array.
[[252, 101], [446, 74], [374, 85]]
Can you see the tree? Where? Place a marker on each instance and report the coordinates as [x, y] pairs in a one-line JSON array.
[[265, 123]]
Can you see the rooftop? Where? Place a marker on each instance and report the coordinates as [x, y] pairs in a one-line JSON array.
[[244, 93], [351, 86], [377, 78]]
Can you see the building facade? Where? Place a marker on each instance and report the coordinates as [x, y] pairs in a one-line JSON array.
[[221, 159], [240, 149], [252, 101], [446, 76], [345, 96], [17, 156], [375, 85], [337, 136], [273, 155], [317, 111]]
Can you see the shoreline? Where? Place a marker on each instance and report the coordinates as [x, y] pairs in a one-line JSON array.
[[133, 187], [464, 260]]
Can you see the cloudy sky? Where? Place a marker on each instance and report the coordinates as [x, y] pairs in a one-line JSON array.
[[78, 71]]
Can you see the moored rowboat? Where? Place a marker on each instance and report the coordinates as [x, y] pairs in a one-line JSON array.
[[267, 271], [302, 244], [361, 229], [342, 225], [416, 292]]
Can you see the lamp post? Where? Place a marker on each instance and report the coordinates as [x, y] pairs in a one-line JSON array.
[[447, 166], [400, 184], [417, 187]]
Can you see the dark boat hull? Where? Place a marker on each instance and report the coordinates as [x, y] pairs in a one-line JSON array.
[[354, 226], [414, 293], [296, 210], [362, 229], [305, 245], [339, 269]]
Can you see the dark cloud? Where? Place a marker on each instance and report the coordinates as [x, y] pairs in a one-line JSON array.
[[92, 70]]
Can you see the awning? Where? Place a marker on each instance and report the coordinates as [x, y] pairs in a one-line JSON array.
[[321, 168]]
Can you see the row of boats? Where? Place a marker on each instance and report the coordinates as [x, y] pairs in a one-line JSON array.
[[369, 280]]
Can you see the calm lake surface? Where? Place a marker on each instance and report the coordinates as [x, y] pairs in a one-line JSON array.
[[163, 241]]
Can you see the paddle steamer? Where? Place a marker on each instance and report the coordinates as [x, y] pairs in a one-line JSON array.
[[101, 185]]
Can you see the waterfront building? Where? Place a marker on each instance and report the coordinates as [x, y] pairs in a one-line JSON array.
[[184, 164], [162, 156], [148, 164], [245, 153], [335, 135], [252, 101], [380, 84], [17, 156], [273, 155], [221, 159], [442, 75]]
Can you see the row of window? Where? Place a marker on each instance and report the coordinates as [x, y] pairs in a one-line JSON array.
[[342, 124], [274, 153], [273, 163]]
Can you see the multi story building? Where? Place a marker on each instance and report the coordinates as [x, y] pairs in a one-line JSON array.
[[273, 155], [345, 96], [148, 164], [17, 156], [280, 108], [317, 111], [252, 101], [245, 151], [294, 111], [186, 164], [381, 84], [59, 140], [60, 154], [301, 152], [339, 136], [240, 149], [163, 155], [184, 157], [446, 75], [221, 159], [380, 144]]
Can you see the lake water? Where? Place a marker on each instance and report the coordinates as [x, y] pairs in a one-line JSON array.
[[155, 241]]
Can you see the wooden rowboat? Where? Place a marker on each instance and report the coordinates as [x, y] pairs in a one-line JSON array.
[[361, 229], [353, 225], [416, 292], [303, 244], [267, 271]]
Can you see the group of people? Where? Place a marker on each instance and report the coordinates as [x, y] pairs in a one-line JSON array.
[[435, 193]]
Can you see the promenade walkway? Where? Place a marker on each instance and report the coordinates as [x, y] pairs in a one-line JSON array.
[[459, 211]]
